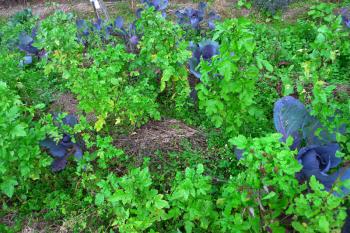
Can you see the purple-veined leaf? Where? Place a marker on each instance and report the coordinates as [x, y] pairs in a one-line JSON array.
[[212, 17], [238, 153], [310, 128], [27, 60], [70, 120], [193, 63], [119, 22], [78, 154], [134, 40], [288, 116], [81, 24], [56, 150], [25, 39], [67, 141], [59, 164], [323, 157], [206, 50], [209, 49]]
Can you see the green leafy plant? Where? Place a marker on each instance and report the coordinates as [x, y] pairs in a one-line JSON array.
[[317, 211], [265, 187], [165, 55], [191, 200], [21, 159], [131, 201], [227, 88]]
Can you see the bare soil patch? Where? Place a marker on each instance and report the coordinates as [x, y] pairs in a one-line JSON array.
[[165, 136]]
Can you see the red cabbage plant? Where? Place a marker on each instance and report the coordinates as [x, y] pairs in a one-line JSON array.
[[318, 155], [65, 147]]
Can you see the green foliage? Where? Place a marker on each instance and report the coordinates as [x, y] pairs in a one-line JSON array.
[[228, 85], [58, 34], [106, 89], [317, 211], [165, 55], [20, 155], [204, 189], [265, 187], [134, 205], [191, 200]]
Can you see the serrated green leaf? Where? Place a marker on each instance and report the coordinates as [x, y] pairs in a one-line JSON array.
[[8, 186], [323, 224]]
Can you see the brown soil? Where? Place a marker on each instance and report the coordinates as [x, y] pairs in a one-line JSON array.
[[44, 9], [291, 15], [64, 103], [165, 136]]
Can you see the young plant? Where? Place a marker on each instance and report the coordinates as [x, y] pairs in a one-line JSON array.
[[227, 88], [317, 211], [191, 201], [204, 50], [165, 55], [20, 155], [197, 19], [131, 201]]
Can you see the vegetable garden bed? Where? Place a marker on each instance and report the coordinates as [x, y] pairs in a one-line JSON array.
[[176, 120]]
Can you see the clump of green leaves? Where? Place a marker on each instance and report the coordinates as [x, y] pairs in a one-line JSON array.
[[318, 210], [191, 201], [165, 54], [133, 204], [228, 84], [264, 188], [20, 155]]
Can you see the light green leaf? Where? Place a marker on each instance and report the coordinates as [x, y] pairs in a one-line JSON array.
[[161, 204], [270, 195], [323, 224], [200, 169], [267, 65], [8, 186], [99, 199], [239, 141], [18, 131]]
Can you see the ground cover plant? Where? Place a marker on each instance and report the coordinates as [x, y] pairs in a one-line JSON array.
[[176, 121]]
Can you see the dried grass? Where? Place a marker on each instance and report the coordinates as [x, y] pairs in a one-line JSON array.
[[165, 136]]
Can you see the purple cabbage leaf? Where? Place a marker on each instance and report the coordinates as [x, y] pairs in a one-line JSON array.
[[318, 157], [25, 44], [191, 18], [104, 30], [288, 116], [345, 14], [204, 50], [159, 5], [65, 147]]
